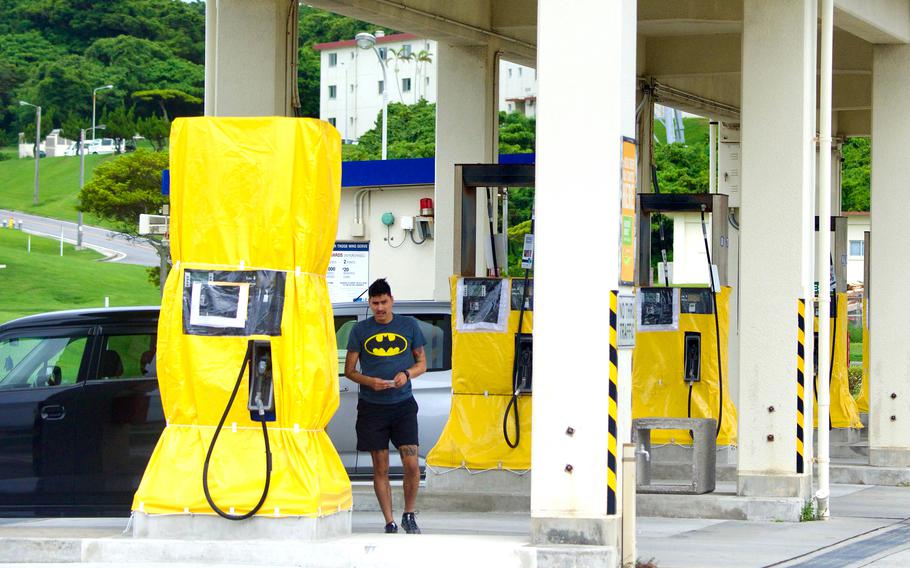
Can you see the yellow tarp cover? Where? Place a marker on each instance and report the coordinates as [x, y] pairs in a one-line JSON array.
[[658, 389], [257, 194], [482, 363], [862, 403], [844, 412]]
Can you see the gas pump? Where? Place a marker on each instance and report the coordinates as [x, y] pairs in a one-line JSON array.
[[679, 360], [489, 423], [844, 409], [246, 348]]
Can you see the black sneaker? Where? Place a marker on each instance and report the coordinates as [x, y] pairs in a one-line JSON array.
[[391, 528], [410, 523]]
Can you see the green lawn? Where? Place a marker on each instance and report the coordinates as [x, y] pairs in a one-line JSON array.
[[57, 190], [43, 281], [696, 130]]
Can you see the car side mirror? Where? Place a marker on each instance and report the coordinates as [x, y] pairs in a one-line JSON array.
[[54, 376]]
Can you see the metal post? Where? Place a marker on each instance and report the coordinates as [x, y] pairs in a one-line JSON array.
[[37, 149], [165, 252], [385, 106], [81, 185], [823, 259]]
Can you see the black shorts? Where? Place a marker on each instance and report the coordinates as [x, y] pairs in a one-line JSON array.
[[377, 424]]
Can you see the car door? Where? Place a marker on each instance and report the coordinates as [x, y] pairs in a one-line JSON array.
[[120, 412], [341, 427], [41, 374]]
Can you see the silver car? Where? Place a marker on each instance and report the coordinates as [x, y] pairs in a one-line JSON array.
[[432, 390]]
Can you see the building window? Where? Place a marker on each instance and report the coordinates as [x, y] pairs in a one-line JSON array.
[[333, 91], [382, 53], [332, 120], [427, 46], [333, 59], [426, 80], [519, 71], [857, 248], [510, 71], [381, 87], [406, 85], [406, 49], [352, 87], [510, 107]]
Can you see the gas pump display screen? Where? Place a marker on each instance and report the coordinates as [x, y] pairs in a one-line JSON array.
[[518, 287], [233, 302], [696, 301], [658, 309], [482, 304]]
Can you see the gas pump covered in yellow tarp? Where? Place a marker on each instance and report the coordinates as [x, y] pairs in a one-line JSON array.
[[844, 409], [246, 344], [485, 316]]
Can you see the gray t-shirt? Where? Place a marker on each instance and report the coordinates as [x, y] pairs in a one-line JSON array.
[[385, 350]]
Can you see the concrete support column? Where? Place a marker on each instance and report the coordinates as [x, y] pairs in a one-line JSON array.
[[776, 266], [578, 200], [889, 390], [250, 48], [466, 133]]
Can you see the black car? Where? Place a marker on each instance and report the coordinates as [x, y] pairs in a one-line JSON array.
[[80, 409]]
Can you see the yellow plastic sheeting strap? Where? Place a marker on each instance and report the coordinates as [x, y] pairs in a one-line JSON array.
[[862, 403], [658, 389], [844, 411], [263, 193], [472, 437]]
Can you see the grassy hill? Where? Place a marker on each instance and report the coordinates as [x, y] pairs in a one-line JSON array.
[[43, 281], [57, 190], [696, 130]]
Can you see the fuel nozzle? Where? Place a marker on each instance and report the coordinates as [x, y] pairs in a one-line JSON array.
[[261, 402]]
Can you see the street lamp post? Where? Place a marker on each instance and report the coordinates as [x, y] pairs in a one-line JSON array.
[[82, 178], [368, 41], [94, 96], [37, 143]]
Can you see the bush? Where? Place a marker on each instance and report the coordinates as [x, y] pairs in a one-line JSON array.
[[855, 380]]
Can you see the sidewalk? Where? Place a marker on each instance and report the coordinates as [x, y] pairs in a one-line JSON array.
[[869, 527]]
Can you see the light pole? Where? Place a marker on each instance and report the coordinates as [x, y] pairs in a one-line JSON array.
[[94, 96], [37, 143], [82, 178], [368, 41]]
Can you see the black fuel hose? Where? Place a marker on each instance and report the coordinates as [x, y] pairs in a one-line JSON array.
[[720, 372], [512, 407], [208, 455]]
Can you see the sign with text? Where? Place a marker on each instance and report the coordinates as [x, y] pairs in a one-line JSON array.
[[629, 171], [625, 321], [348, 275]]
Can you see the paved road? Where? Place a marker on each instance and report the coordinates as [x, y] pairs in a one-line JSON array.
[[114, 245]]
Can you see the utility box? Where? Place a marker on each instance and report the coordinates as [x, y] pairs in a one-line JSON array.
[[152, 224], [704, 454]]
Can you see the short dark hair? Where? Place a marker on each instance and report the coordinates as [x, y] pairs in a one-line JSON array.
[[378, 288]]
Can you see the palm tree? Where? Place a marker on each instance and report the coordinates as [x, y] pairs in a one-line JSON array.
[[421, 60], [400, 55]]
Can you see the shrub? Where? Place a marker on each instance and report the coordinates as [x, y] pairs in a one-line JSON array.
[[855, 380]]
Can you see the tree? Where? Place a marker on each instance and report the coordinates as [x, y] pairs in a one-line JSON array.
[[156, 130], [120, 124], [856, 174], [175, 99], [124, 188]]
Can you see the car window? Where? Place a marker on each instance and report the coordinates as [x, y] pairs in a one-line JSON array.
[[128, 356], [40, 361], [437, 330], [343, 327]]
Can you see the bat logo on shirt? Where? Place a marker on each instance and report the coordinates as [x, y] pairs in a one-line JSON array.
[[385, 344]]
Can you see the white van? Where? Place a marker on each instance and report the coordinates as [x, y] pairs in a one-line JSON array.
[[96, 146]]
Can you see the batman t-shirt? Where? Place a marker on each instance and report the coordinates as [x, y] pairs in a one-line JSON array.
[[385, 350]]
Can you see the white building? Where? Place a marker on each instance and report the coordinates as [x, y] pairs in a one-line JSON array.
[[858, 223], [351, 81]]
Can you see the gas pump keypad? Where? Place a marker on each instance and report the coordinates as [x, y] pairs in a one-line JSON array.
[[696, 301]]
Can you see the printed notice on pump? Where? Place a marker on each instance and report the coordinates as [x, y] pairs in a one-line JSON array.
[[627, 212], [625, 320], [348, 275]]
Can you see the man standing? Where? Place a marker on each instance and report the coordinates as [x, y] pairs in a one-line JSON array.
[[391, 354]]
